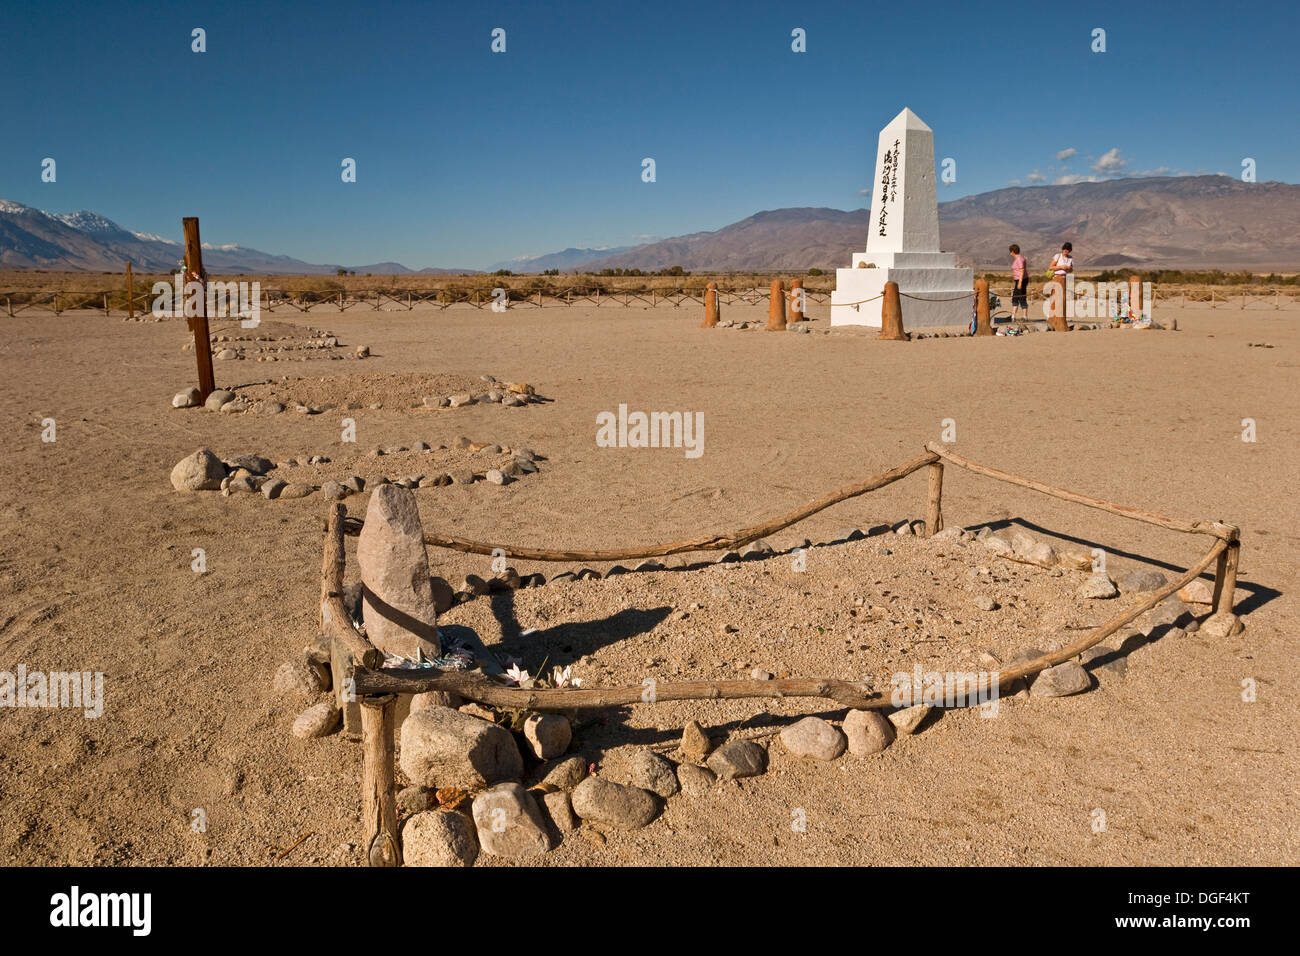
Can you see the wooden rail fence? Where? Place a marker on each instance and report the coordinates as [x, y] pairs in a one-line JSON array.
[[376, 688]]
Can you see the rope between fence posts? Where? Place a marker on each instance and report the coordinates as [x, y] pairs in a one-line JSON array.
[[923, 298]]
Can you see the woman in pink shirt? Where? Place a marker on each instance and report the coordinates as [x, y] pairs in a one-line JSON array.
[[1020, 277]]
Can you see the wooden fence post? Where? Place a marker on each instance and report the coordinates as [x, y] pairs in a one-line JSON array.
[[130, 292], [983, 325], [378, 797], [776, 307], [796, 300], [198, 323], [934, 497], [710, 306], [891, 315], [1225, 577], [1057, 318]]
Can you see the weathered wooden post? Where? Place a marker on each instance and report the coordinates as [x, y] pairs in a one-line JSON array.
[[776, 307], [796, 300], [378, 798], [934, 499], [891, 315], [710, 306], [198, 323], [1225, 577], [130, 292], [1135, 295], [1057, 317], [983, 325]]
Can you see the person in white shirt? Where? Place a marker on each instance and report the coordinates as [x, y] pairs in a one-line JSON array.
[[1063, 261]]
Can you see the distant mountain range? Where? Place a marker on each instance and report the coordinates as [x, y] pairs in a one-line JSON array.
[[1158, 222], [86, 241], [1166, 222]]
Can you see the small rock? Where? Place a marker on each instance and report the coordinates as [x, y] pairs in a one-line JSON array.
[[566, 774], [1221, 625], [1197, 591], [226, 355], [186, 399], [548, 735], [333, 491], [815, 738], [496, 477], [613, 804], [297, 491], [201, 471], [695, 742], [996, 543], [1061, 681], [649, 771], [559, 810], [272, 488], [218, 398], [1144, 579], [738, 758], [1116, 665], [694, 780], [318, 720], [986, 603], [906, 721], [509, 823], [1099, 586], [868, 732], [300, 678], [903, 528], [438, 838], [759, 674]]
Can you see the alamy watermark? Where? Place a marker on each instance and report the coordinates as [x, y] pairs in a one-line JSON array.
[[651, 430], [73, 689], [946, 689], [241, 298]]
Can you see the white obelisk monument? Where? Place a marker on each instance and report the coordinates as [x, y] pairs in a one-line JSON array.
[[903, 240]]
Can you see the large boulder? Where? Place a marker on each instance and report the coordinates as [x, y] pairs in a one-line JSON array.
[[442, 747], [201, 471], [397, 604], [603, 801], [439, 838], [509, 822]]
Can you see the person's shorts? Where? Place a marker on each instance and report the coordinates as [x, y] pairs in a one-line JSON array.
[[1018, 298]]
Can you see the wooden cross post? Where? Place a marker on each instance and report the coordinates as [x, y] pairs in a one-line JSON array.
[[130, 292], [198, 323]]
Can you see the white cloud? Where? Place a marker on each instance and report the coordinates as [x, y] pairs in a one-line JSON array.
[[864, 192], [1067, 153], [1035, 177], [1071, 178], [1110, 164], [1013, 182]]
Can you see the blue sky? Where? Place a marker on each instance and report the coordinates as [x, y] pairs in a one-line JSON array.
[[466, 157]]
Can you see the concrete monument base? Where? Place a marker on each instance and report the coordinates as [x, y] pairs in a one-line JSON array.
[[930, 275]]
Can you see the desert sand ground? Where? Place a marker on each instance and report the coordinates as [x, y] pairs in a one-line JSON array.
[[95, 574]]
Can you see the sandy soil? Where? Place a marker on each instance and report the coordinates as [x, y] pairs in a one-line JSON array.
[[95, 574]]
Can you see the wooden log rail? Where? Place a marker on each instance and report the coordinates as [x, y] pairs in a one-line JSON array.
[[375, 688]]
